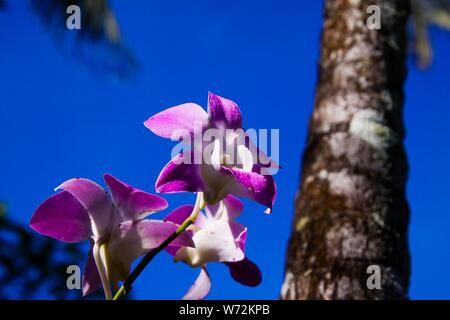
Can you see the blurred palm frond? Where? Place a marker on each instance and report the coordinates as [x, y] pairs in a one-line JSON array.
[[424, 14], [98, 43]]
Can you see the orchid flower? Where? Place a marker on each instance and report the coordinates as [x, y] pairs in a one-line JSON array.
[[114, 225], [220, 174], [218, 238]]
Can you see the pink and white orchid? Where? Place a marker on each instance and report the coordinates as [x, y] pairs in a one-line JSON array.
[[83, 210], [232, 166], [217, 238]]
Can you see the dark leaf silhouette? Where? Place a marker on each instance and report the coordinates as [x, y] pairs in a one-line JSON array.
[[33, 266]]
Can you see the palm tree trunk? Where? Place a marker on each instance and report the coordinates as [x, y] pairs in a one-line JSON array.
[[351, 210]]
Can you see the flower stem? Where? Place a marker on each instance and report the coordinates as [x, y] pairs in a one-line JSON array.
[[127, 285], [101, 261]]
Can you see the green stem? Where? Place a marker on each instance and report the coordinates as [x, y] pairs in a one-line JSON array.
[[101, 261], [127, 285]]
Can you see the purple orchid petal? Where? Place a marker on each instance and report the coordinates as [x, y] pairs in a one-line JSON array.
[[241, 238], [180, 214], [234, 206], [62, 217], [253, 185], [94, 199], [172, 250], [120, 191], [133, 204], [245, 272], [213, 243], [223, 113], [214, 210], [142, 204], [180, 120], [177, 176], [132, 239], [201, 287], [91, 277], [229, 210]]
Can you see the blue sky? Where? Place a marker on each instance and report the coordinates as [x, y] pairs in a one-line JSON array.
[[59, 121]]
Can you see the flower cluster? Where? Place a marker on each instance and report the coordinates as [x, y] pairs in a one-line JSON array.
[[116, 224]]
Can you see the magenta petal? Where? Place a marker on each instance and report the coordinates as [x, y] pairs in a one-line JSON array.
[[90, 194], [91, 277], [180, 214], [177, 176], [62, 217], [241, 238], [94, 199], [133, 203], [223, 112], [179, 121], [142, 204], [120, 191], [252, 185], [233, 208], [201, 286], [172, 250], [245, 272]]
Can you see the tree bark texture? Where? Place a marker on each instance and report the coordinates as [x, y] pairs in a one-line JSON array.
[[351, 210]]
